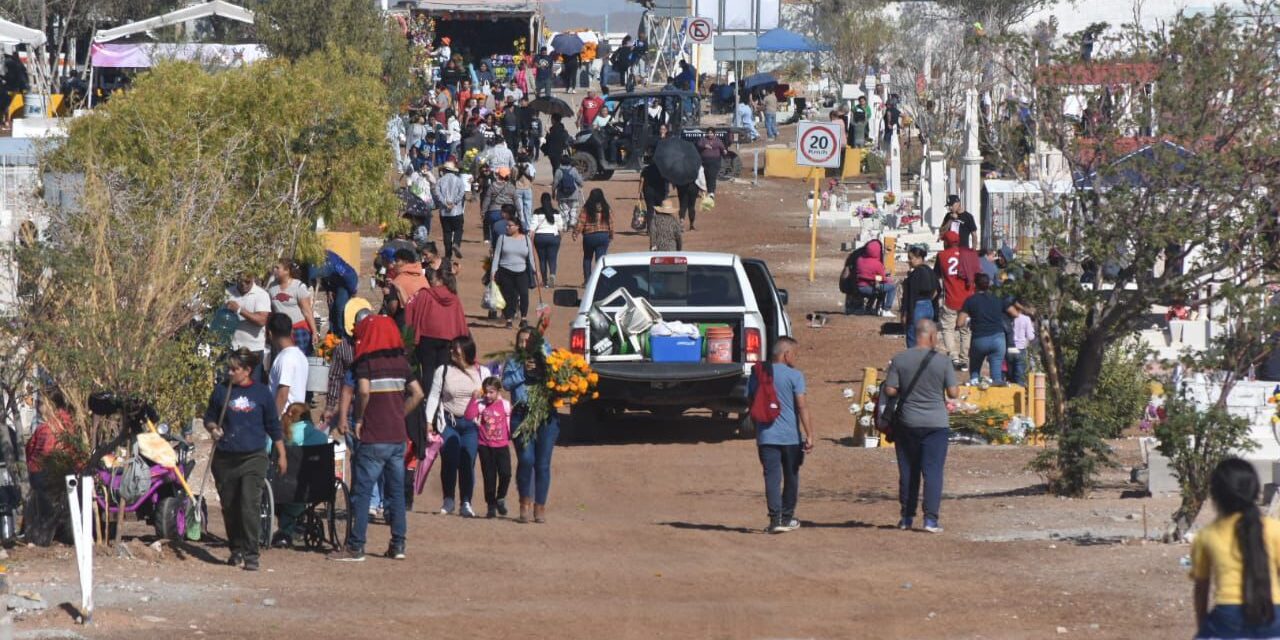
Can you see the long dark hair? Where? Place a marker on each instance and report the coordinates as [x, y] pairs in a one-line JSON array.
[[548, 209], [1234, 487], [597, 207], [467, 346]]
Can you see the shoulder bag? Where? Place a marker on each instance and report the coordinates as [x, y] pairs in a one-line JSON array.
[[890, 419]]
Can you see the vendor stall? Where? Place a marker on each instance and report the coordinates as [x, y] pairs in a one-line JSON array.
[[497, 32]]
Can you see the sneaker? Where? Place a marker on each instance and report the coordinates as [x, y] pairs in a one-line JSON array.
[[236, 559], [788, 524], [491, 512], [447, 507], [502, 508], [973, 382], [904, 524], [775, 526], [281, 540], [885, 313], [250, 564], [395, 552], [346, 555], [932, 526], [466, 511]]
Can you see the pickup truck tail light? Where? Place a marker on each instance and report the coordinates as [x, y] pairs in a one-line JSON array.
[[755, 348], [578, 341]]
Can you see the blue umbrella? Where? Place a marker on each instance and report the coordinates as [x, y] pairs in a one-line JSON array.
[[567, 44], [758, 80]]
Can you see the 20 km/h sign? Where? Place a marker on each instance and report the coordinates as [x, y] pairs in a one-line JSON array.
[[819, 144], [700, 30]]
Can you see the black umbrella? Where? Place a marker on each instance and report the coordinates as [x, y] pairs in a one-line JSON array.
[[552, 107], [758, 80], [567, 44], [677, 161]]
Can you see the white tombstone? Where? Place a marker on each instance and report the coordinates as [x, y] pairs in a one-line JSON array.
[[937, 188], [972, 164], [893, 168]]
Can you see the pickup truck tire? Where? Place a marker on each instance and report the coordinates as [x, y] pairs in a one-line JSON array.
[[746, 426]]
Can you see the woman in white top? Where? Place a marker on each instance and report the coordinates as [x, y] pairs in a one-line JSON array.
[[291, 297], [452, 388], [602, 119], [547, 223]]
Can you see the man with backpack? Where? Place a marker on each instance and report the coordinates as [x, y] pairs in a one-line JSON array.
[[567, 184], [783, 434]]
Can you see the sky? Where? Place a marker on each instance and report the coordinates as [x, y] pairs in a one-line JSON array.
[[1075, 16]]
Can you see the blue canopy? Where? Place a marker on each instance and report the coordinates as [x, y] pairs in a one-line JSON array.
[[781, 40]]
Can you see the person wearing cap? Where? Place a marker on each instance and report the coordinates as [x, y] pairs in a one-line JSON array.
[[959, 221], [664, 228], [443, 53], [451, 197], [340, 361], [386, 392], [956, 267]]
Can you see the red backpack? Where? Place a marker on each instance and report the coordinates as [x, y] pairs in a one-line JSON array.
[[764, 404]]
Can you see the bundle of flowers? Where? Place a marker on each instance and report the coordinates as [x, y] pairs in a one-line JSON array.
[[866, 210], [865, 411], [469, 159], [588, 52], [989, 424], [326, 346], [890, 198], [569, 380], [1275, 399]]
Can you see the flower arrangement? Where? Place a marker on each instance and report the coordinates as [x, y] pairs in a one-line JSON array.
[[890, 198], [989, 424], [1275, 399], [326, 346], [866, 411], [588, 52], [866, 211], [569, 380], [469, 159]]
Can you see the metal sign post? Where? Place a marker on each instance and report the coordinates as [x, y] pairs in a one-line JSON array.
[[818, 145], [736, 49]]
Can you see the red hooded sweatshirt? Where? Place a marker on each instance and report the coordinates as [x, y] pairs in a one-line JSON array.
[[871, 264], [956, 268], [436, 312]]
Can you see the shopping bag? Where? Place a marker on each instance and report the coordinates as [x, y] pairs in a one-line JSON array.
[[637, 218], [493, 299]]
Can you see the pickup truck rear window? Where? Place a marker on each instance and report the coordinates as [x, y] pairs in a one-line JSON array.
[[667, 286]]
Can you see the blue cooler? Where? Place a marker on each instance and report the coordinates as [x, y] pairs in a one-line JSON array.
[[675, 348]]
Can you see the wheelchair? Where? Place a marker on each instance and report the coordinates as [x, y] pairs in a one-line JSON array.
[[311, 479]]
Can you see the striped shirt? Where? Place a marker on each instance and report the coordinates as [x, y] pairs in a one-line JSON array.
[[384, 413], [343, 354]]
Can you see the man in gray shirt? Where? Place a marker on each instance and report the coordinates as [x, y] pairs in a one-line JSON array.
[[922, 380], [451, 196]]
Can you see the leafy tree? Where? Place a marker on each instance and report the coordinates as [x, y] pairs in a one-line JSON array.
[[858, 32], [1186, 219], [996, 16]]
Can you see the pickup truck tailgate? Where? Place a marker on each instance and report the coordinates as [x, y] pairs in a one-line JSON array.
[[667, 371], [673, 384]]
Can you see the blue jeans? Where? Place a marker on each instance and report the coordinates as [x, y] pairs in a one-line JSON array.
[[1017, 366], [353, 445], [491, 217], [533, 461], [1227, 621], [881, 295], [921, 451], [594, 246], [990, 348], [924, 309], [458, 459], [548, 247], [771, 125], [524, 204], [781, 478], [373, 460]]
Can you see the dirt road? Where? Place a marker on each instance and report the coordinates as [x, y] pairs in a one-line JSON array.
[[657, 531]]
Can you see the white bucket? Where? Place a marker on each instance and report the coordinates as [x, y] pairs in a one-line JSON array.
[[872, 442], [317, 375]]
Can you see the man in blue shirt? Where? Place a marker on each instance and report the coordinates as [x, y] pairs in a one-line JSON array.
[[781, 443]]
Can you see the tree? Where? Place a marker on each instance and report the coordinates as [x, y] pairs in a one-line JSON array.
[[858, 31], [1184, 219], [996, 16]]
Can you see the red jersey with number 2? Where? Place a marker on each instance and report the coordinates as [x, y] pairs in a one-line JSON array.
[[954, 284]]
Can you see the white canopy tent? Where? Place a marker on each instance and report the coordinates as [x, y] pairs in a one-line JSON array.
[[14, 33], [218, 8]]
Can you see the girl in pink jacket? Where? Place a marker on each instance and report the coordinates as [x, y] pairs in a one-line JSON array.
[[492, 415]]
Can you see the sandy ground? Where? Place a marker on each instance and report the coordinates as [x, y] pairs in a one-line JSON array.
[[656, 532]]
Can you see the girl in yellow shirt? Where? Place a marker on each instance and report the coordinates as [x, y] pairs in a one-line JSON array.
[[1238, 553]]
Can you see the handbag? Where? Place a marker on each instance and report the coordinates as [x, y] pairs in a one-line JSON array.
[[889, 419]]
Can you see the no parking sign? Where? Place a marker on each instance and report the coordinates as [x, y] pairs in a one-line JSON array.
[[818, 144]]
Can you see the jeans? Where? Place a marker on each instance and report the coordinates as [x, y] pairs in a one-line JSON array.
[[955, 341], [881, 295], [379, 486], [524, 204], [990, 348], [594, 246], [921, 451], [1227, 621], [924, 309], [490, 217], [515, 288], [543, 86], [374, 459], [533, 461], [548, 247], [711, 171], [495, 466], [781, 478], [452, 228], [239, 478], [458, 459], [1017, 366], [771, 125]]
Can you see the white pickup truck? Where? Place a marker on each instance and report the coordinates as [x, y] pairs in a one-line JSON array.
[[691, 287]]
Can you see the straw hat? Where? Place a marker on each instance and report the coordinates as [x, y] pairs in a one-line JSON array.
[[668, 206], [354, 306]]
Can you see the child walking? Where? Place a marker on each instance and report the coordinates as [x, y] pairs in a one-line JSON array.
[[492, 415], [1239, 553]]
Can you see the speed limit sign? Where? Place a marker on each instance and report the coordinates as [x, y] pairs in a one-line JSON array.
[[819, 144]]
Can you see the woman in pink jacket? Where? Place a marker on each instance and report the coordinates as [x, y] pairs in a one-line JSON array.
[[875, 284]]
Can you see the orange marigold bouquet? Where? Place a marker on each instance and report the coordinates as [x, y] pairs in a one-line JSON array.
[[326, 346], [569, 380]]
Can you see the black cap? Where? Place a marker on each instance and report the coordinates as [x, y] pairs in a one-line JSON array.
[[953, 199]]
